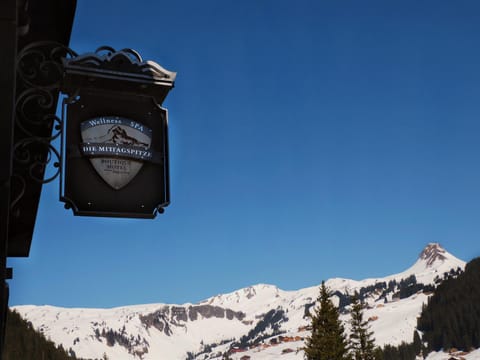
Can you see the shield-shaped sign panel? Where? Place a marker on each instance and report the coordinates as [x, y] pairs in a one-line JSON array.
[[117, 148]]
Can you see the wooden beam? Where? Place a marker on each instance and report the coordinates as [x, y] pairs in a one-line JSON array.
[[8, 50]]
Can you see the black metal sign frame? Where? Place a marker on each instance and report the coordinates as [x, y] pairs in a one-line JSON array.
[[86, 189], [115, 142]]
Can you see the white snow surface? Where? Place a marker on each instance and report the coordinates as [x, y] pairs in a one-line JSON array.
[[474, 355], [169, 331]]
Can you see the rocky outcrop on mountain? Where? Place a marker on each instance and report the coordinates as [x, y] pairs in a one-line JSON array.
[[158, 320], [433, 252], [167, 316], [208, 311]]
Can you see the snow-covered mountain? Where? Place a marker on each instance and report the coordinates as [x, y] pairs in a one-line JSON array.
[[261, 321]]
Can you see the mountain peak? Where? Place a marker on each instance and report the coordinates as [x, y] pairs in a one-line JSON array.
[[432, 253], [160, 331]]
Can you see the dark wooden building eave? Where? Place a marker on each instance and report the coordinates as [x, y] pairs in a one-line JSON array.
[[37, 20]]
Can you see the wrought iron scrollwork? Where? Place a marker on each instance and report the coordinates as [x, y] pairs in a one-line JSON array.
[[40, 64], [30, 120], [35, 154], [39, 79]]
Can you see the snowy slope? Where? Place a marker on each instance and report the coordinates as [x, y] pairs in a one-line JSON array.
[[207, 329]]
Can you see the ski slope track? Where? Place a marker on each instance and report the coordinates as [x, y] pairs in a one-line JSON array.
[[274, 321]]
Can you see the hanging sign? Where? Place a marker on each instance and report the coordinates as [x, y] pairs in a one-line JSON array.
[[116, 142]]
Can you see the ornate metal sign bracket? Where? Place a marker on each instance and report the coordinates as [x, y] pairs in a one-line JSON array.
[[37, 128], [113, 132]]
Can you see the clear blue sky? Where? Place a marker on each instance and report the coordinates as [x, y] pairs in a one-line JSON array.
[[309, 140]]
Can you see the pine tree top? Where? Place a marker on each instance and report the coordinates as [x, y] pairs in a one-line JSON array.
[[328, 340]]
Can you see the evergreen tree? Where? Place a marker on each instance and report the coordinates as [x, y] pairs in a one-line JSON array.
[[417, 343], [362, 343], [451, 319], [403, 351], [226, 356], [327, 341], [22, 342]]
